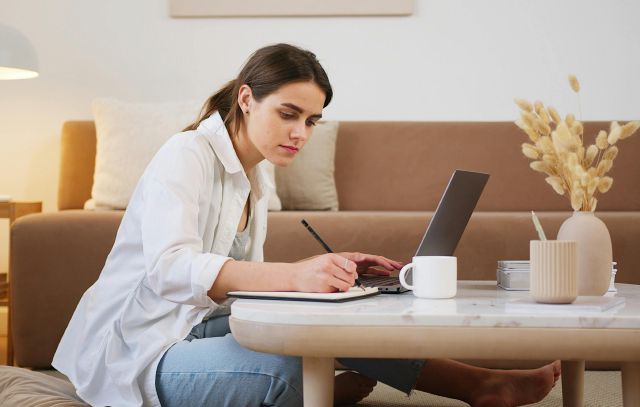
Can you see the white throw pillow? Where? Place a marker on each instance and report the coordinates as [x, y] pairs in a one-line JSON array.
[[308, 183], [128, 136]]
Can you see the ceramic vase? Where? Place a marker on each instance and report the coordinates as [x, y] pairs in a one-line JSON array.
[[594, 251]]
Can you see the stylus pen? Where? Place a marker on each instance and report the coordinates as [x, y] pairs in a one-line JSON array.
[[326, 246]]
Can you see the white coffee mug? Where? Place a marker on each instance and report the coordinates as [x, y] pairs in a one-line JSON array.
[[433, 276]]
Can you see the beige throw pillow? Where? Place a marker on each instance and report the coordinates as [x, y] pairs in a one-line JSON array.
[[128, 136], [308, 183]]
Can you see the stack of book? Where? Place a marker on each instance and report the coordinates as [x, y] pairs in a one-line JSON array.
[[514, 275]]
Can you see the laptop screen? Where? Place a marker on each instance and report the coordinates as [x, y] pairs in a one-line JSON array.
[[452, 214]]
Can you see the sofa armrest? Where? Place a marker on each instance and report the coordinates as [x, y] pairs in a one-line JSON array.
[[55, 257]]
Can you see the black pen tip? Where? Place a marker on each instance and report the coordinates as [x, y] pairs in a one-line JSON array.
[[304, 222]]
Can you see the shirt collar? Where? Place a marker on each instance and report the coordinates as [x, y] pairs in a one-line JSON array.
[[216, 132]]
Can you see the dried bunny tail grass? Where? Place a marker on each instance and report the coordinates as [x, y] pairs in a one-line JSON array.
[[611, 153], [528, 118], [592, 172], [593, 202], [540, 166], [546, 145], [592, 185], [584, 179], [573, 82], [570, 118], [523, 104], [578, 173], [576, 199], [541, 127], [550, 160], [601, 140], [614, 136], [556, 183], [629, 129], [544, 116], [533, 135], [605, 184], [590, 155], [572, 160], [603, 167], [554, 114], [530, 151], [538, 106], [563, 139], [577, 128], [614, 125]]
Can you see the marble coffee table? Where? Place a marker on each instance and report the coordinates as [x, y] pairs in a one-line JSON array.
[[482, 322]]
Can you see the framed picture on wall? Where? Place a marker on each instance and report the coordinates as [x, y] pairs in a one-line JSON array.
[[291, 8]]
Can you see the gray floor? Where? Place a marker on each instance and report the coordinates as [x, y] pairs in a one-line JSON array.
[[602, 389]]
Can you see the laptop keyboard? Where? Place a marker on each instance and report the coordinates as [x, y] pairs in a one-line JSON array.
[[378, 281]]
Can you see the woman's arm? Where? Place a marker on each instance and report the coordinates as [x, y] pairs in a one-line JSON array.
[[325, 273]]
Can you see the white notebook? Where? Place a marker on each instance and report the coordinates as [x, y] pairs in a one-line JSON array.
[[354, 293]]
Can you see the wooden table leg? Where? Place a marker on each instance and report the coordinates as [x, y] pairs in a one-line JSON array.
[[318, 375], [573, 383], [631, 384]]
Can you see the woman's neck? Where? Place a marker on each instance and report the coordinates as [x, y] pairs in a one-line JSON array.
[[245, 150]]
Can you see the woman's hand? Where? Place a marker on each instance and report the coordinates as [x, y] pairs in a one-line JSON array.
[[365, 262], [327, 273]]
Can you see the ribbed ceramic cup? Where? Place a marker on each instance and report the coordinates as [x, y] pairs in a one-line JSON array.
[[554, 271]]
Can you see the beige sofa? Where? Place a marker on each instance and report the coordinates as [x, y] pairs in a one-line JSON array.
[[389, 177]]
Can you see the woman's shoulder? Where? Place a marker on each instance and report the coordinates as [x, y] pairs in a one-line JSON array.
[[185, 152], [187, 143]]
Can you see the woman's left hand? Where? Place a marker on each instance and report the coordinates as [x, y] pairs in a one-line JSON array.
[[365, 262]]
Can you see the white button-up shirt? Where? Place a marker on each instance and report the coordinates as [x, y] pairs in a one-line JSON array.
[[173, 240]]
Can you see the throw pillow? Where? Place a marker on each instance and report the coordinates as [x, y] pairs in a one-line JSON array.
[[308, 183]]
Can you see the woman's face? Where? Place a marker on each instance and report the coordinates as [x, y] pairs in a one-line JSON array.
[[280, 125]]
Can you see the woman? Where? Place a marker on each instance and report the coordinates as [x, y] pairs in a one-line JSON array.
[[153, 330]]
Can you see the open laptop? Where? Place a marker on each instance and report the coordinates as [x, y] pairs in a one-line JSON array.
[[446, 227]]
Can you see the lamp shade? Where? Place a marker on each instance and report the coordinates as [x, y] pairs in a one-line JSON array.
[[18, 59]]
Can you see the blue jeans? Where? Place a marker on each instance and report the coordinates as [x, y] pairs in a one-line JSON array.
[[209, 368]]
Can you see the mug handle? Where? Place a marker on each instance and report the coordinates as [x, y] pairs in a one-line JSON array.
[[403, 271]]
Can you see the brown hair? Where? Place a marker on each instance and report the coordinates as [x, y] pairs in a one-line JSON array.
[[265, 72]]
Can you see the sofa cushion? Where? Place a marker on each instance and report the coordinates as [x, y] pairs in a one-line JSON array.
[[308, 183], [27, 388]]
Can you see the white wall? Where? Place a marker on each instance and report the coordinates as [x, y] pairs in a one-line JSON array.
[[451, 60]]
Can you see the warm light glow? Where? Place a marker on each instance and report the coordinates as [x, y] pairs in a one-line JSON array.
[[7, 73]]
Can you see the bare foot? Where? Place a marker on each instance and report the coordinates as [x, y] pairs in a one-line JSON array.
[[351, 387], [510, 388]]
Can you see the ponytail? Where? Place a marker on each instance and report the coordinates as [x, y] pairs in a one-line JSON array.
[[224, 101]]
